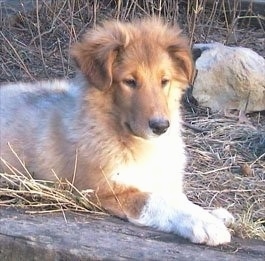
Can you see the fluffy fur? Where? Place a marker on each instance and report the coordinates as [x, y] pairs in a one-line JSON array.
[[118, 121]]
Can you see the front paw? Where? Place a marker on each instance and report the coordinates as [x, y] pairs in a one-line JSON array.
[[209, 230], [223, 215], [184, 218]]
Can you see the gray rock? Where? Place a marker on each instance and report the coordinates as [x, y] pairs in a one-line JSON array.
[[229, 78]]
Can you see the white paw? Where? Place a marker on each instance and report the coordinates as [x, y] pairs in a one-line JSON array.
[[223, 215], [209, 230], [186, 219]]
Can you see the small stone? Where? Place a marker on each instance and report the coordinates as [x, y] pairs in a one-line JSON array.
[[246, 170]]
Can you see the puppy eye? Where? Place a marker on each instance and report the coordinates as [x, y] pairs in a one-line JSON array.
[[164, 82], [131, 83]]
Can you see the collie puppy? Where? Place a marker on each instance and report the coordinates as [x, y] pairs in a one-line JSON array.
[[115, 128]]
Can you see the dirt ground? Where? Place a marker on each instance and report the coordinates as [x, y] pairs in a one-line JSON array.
[[227, 160]]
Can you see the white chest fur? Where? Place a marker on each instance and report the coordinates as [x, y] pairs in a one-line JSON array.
[[159, 169]]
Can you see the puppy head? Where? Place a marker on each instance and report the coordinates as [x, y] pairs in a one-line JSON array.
[[147, 64]]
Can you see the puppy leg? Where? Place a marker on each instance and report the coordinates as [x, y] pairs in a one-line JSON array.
[[126, 203], [184, 218]]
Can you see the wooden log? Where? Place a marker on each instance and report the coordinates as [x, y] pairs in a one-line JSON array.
[[26, 237]]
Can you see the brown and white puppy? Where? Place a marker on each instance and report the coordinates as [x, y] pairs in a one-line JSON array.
[[115, 128]]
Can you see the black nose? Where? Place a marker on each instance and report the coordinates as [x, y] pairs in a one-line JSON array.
[[158, 125]]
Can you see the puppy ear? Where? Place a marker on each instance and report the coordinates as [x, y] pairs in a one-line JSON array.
[[182, 57], [96, 53]]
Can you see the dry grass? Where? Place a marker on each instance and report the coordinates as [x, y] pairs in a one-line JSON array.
[[228, 169], [42, 196], [227, 160]]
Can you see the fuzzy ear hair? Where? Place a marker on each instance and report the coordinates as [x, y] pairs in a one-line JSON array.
[[96, 53], [182, 57]]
